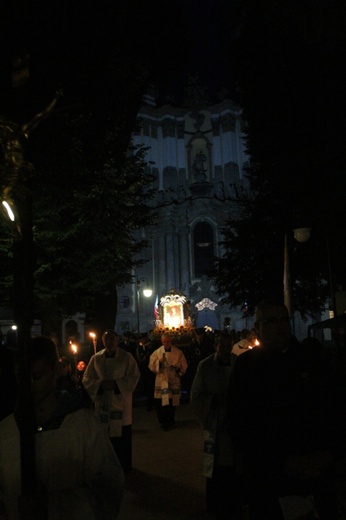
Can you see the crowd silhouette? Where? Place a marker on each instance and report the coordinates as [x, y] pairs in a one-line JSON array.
[[271, 410]]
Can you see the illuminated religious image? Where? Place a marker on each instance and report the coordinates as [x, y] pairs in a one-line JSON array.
[[173, 316]]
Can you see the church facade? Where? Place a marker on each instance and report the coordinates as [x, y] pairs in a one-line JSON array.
[[198, 159]]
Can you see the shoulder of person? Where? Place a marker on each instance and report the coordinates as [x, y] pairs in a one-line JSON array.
[[157, 351], [179, 350], [7, 423], [250, 357], [208, 361]]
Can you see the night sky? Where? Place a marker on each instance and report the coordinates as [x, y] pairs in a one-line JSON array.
[[191, 39], [204, 49]]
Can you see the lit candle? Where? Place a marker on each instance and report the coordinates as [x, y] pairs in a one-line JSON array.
[[94, 338], [74, 348]]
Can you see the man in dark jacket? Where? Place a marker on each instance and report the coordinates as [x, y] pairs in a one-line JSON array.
[[286, 424]]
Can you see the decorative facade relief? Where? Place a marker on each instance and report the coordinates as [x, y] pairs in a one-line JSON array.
[[206, 303]]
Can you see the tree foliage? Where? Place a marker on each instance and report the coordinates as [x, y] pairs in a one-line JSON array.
[[85, 217], [85, 224], [288, 62], [89, 187]]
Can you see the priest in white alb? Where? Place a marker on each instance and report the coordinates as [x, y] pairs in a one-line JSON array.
[[110, 380], [169, 364]]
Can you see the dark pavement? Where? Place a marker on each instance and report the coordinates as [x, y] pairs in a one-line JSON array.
[[166, 481]]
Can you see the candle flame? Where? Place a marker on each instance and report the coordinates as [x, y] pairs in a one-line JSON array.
[[256, 343], [74, 348]]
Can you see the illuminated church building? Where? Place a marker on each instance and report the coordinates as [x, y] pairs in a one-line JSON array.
[[198, 159]]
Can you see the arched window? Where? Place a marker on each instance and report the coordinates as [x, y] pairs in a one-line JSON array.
[[203, 241], [71, 328]]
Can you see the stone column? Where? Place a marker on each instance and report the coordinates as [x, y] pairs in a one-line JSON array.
[[171, 260], [161, 261], [184, 259]]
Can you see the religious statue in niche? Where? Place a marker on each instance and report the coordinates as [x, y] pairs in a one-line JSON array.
[[198, 167]]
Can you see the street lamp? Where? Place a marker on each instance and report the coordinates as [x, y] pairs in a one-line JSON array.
[[303, 235], [147, 292]]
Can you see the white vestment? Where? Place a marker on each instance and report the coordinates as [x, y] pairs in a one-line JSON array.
[[169, 367], [208, 401], [114, 410], [76, 465]]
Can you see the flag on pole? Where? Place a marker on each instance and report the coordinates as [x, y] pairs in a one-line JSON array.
[[156, 308], [287, 281]]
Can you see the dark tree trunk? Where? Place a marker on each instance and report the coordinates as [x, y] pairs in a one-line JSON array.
[[23, 303]]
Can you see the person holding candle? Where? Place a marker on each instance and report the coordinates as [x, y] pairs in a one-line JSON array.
[[110, 379], [242, 345]]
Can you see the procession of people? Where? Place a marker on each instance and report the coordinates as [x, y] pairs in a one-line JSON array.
[[270, 408]]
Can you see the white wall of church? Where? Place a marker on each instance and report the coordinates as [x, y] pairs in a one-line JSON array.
[[197, 154]]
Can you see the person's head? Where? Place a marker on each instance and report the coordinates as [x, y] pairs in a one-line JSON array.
[[252, 337], [166, 340], [44, 368], [81, 365], [244, 334], [200, 333], [110, 340], [66, 367], [223, 347], [272, 324], [234, 335]]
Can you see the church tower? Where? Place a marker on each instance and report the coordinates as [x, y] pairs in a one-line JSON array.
[[198, 158]]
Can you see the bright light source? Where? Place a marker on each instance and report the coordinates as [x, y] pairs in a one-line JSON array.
[[74, 348], [9, 210], [302, 234], [147, 292]]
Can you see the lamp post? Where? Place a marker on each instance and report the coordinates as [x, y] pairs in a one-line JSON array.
[[303, 235], [300, 235], [147, 292]]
